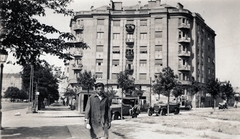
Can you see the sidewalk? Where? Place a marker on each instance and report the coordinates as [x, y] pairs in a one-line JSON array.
[[56, 121]]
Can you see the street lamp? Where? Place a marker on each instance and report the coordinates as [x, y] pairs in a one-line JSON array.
[[3, 59]]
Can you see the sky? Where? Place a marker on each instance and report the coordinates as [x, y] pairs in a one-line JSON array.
[[221, 15]]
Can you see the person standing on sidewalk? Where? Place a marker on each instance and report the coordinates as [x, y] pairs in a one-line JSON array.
[[97, 113]]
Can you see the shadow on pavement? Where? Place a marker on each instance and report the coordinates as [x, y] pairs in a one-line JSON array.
[[59, 132]]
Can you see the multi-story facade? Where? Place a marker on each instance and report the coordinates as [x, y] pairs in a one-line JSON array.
[[11, 80], [143, 40]]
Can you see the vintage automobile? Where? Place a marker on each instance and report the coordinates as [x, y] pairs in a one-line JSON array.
[[160, 108], [130, 107]]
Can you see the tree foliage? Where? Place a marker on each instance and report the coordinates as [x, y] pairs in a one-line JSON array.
[[44, 80], [213, 87], [165, 81], [126, 82], [26, 37], [227, 90], [87, 80], [15, 93]]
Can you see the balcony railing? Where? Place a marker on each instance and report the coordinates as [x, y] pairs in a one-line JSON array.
[[77, 66], [129, 41], [184, 53], [184, 25], [130, 28], [184, 67], [184, 39], [78, 27], [130, 56]]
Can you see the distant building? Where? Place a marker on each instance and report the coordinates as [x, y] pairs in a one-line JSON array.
[[11, 80], [142, 39]]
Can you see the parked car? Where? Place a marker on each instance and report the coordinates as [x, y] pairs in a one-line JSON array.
[[130, 107], [160, 108]]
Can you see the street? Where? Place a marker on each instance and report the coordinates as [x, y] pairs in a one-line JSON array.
[[8, 106], [61, 123]]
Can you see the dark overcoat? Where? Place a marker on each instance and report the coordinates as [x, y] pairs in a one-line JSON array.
[[98, 113]]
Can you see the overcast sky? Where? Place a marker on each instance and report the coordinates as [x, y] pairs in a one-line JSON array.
[[221, 15]]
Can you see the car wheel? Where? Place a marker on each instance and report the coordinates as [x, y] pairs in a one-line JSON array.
[[149, 112], [116, 116], [164, 112], [176, 111]]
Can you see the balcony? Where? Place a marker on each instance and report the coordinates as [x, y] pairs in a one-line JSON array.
[[184, 26], [184, 40], [129, 41], [77, 67], [184, 53], [78, 53], [184, 67], [129, 54], [78, 27], [130, 28]]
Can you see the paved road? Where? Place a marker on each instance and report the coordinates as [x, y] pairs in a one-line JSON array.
[[8, 106]]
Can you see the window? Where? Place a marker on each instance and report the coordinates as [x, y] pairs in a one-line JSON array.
[[100, 22], [143, 62], [158, 20], [143, 36], [158, 62], [209, 59], [114, 75], [129, 21], [129, 36], [116, 36], [99, 62], [115, 62], [158, 34], [116, 22], [78, 61], [79, 22], [99, 75], [180, 76], [209, 71], [158, 48], [143, 49], [143, 22], [99, 35], [142, 76], [116, 50], [99, 48]]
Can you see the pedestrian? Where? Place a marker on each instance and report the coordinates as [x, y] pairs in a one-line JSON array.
[[97, 114]]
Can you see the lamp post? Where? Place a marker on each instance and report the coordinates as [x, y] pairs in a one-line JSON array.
[[3, 58]]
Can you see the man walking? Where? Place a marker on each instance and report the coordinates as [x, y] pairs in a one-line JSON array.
[[97, 113]]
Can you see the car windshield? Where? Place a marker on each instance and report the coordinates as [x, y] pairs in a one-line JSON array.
[[129, 101]]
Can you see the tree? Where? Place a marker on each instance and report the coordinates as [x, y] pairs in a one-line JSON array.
[[126, 83], [227, 91], [14, 93], [87, 80], [178, 90], [44, 81], [213, 88], [25, 36], [166, 82]]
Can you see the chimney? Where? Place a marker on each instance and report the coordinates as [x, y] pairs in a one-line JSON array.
[[117, 5], [158, 2], [179, 6], [139, 4]]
